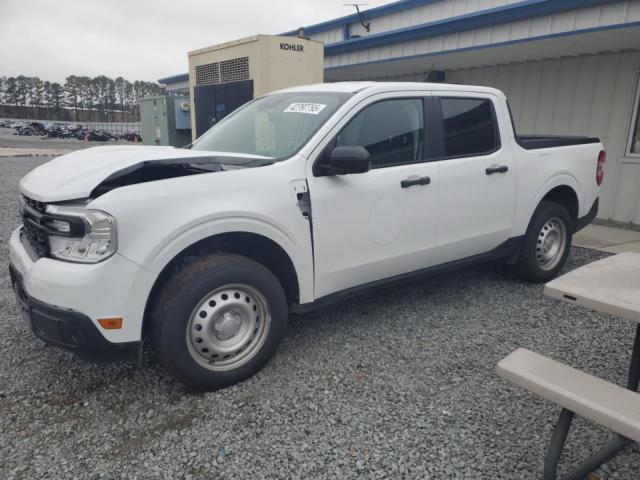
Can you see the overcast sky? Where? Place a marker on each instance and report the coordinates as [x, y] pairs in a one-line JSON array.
[[138, 39]]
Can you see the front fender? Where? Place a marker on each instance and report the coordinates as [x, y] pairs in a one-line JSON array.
[[160, 256]]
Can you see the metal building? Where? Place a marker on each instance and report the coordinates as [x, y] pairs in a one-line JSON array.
[[176, 84], [567, 66]]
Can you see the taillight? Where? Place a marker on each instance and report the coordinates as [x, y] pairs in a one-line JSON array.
[[602, 157]]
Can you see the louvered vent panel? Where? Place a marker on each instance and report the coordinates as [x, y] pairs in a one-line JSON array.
[[222, 72]]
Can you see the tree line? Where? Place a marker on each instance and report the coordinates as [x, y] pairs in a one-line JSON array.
[[79, 98]]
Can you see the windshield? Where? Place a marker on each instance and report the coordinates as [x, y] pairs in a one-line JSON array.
[[275, 126]]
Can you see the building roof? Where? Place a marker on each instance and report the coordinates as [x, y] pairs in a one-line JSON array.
[[518, 10], [181, 77], [482, 18], [381, 11]]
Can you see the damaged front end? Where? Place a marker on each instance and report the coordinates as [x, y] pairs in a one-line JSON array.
[[154, 170], [86, 174]]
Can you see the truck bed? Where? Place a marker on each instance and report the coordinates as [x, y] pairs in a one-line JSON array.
[[532, 142]]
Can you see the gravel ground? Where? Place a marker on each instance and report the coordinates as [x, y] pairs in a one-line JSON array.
[[396, 384]]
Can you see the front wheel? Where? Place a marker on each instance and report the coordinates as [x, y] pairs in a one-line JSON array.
[[546, 244], [218, 320]]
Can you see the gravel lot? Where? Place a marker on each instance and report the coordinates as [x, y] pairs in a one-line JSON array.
[[396, 384]]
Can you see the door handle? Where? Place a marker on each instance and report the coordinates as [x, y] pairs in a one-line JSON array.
[[415, 180], [496, 169]]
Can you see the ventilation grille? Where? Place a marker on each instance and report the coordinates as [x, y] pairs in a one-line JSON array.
[[222, 72]]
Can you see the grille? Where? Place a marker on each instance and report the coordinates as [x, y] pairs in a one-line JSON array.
[[222, 72], [39, 206], [32, 230]]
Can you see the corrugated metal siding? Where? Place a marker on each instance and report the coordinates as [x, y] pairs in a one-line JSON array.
[[599, 16], [587, 95], [329, 36], [173, 86], [428, 13]]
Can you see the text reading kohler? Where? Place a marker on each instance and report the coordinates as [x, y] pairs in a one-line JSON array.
[[292, 47]]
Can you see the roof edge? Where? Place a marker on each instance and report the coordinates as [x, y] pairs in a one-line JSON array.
[[398, 6], [493, 16], [180, 77]]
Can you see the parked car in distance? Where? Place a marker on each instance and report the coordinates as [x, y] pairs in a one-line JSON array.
[[299, 198]]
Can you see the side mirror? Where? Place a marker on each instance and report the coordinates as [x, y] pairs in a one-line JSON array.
[[346, 159]]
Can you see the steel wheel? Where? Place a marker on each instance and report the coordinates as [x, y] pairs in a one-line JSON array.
[[551, 244], [228, 327]]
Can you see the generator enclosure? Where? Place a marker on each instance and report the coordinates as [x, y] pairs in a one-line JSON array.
[[226, 76], [166, 120]]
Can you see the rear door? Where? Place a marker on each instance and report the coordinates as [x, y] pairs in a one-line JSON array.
[[375, 225], [477, 175]]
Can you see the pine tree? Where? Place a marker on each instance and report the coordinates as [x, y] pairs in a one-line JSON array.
[[56, 97], [36, 93]]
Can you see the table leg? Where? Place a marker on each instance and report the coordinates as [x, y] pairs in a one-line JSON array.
[[605, 454], [556, 445], [634, 366]]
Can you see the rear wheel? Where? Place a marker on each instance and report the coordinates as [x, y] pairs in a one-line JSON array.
[[546, 244], [218, 321]]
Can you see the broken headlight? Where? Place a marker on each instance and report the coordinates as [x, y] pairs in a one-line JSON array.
[[80, 235]]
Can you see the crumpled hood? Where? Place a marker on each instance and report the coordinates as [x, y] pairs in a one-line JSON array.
[[75, 175]]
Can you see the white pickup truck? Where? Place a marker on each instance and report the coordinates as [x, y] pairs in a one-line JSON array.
[[300, 198]]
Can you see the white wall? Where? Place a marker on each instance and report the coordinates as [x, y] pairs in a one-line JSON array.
[[587, 95]]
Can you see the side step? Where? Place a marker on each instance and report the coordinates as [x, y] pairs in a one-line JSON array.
[[590, 397]]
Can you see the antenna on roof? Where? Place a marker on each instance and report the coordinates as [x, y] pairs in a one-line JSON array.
[[358, 4]]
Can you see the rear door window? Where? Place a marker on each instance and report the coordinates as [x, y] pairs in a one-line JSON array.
[[469, 127]]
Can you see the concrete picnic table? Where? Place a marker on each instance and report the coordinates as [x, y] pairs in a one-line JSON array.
[[610, 286]]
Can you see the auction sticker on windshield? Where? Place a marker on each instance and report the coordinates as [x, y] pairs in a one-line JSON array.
[[312, 108]]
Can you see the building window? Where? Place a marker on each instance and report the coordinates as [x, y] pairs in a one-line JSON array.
[[469, 127], [392, 131], [634, 135]]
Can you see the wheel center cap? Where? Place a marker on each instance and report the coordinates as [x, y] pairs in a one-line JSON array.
[[227, 325]]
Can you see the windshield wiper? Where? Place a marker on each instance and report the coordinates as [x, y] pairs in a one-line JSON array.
[[229, 160]]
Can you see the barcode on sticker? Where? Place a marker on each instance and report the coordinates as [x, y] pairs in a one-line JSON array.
[[312, 108]]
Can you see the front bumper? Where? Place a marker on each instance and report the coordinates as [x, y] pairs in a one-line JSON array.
[[116, 287], [68, 329]]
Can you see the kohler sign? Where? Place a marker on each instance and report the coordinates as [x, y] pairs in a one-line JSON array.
[[292, 47]]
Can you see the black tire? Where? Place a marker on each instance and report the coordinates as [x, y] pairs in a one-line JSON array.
[[176, 304], [528, 266]]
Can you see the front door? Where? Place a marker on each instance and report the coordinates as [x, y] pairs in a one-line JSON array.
[[477, 177], [382, 223]]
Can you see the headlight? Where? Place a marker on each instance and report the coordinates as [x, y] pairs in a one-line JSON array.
[[85, 236]]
